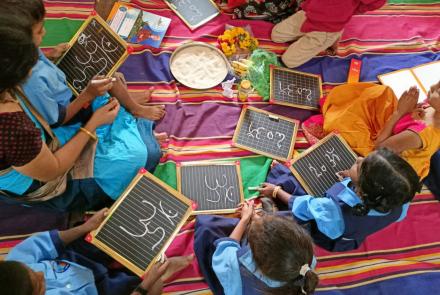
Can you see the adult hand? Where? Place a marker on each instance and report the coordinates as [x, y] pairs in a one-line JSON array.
[[435, 88], [267, 190], [98, 86], [95, 221], [434, 100], [408, 101], [105, 114], [58, 51]]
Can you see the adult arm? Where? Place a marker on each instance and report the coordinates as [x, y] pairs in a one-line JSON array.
[[88, 95], [406, 139], [47, 166]]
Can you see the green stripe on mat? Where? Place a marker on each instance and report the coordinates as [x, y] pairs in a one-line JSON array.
[[253, 172], [59, 31]]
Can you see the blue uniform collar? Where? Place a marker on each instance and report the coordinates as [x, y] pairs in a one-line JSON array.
[[349, 197]]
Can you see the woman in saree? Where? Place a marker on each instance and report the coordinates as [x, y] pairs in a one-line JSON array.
[[34, 168]]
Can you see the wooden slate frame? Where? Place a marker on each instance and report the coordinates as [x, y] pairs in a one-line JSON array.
[[105, 25], [200, 163], [117, 256], [240, 123], [305, 153], [201, 23], [272, 98]]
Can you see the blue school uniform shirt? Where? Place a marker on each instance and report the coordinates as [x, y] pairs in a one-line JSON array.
[[40, 253], [47, 90], [327, 213], [226, 265]]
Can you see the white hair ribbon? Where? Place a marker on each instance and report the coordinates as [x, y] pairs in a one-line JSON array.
[[304, 269]]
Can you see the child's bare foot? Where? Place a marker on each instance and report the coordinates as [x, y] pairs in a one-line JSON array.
[[141, 97], [161, 137], [176, 264], [150, 112]]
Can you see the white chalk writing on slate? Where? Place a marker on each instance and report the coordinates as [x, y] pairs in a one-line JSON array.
[[95, 52], [266, 132], [219, 188], [212, 187], [143, 222], [296, 88], [318, 168], [146, 223]]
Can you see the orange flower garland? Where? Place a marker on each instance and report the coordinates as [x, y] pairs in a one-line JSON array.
[[236, 38]]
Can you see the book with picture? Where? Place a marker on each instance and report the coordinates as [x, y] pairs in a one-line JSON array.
[[423, 76], [138, 26]]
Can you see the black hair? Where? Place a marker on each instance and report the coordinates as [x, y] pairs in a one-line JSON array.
[[15, 279], [18, 53], [280, 247], [33, 9], [386, 181]]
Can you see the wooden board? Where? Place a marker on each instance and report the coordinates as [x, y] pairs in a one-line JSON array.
[[94, 50], [142, 223], [194, 13], [316, 168], [293, 88], [216, 188], [266, 133], [103, 7]]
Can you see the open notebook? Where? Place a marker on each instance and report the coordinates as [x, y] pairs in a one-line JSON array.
[[423, 76]]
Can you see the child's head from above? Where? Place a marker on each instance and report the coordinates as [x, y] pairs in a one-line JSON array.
[[33, 12], [280, 248], [384, 181], [18, 53], [18, 279]]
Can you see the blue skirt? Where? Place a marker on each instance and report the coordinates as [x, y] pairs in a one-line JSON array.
[[208, 229]]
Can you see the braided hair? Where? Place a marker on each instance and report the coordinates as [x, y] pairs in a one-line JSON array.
[[386, 181]]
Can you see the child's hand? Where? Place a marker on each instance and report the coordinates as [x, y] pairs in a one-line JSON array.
[[408, 101], [267, 189], [99, 86], [246, 210], [95, 221], [58, 51], [105, 114]]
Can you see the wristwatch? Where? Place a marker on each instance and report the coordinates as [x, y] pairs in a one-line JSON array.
[[141, 290]]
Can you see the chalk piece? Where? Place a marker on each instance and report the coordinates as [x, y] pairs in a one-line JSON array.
[[101, 80], [254, 188], [273, 117]]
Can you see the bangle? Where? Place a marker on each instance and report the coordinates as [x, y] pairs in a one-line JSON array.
[[141, 290], [275, 191], [92, 136]]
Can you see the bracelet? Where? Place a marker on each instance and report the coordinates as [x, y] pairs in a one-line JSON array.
[[141, 290], [92, 136], [275, 191]]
